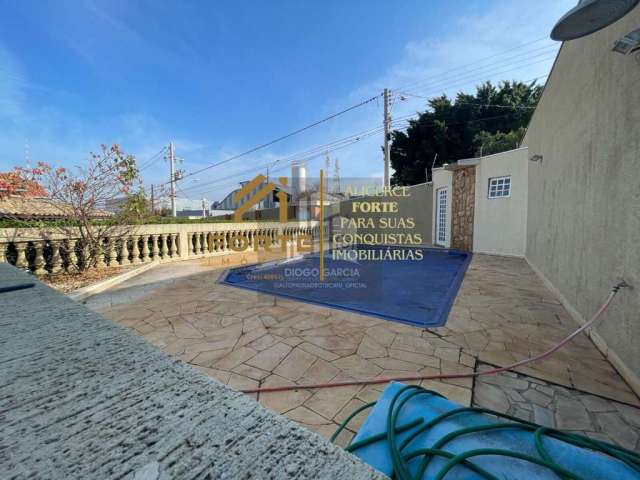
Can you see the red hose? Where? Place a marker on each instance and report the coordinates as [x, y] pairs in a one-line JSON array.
[[410, 378]]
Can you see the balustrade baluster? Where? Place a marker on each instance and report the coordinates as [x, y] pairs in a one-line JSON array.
[[21, 256], [172, 245], [135, 250], [197, 246], [145, 248], [3, 252], [155, 252], [38, 261], [56, 260], [205, 243], [113, 260], [123, 259], [164, 248], [99, 255], [72, 258]]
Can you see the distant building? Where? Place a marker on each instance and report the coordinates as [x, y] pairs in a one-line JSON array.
[[193, 213], [270, 201]]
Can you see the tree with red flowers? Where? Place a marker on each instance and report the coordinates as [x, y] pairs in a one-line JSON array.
[[79, 195]]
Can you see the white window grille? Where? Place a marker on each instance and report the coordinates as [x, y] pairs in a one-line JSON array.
[[499, 187], [441, 216]]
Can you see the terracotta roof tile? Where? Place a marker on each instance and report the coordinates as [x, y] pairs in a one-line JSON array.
[[38, 208]]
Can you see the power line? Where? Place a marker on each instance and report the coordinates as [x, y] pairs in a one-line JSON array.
[[430, 97], [318, 151], [295, 132], [480, 61], [458, 102], [307, 155], [150, 160], [321, 150], [424, 83], [466, 78]]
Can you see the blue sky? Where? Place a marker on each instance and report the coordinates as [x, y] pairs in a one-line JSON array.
[[218, 78]]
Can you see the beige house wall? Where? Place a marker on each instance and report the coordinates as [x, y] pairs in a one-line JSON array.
[[500, 225], [583, 225]]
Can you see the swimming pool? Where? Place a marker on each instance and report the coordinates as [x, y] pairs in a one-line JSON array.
[[385, 283]]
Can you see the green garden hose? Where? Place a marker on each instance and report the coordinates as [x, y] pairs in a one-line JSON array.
[[400, 456]]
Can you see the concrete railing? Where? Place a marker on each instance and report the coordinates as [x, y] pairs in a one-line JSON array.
[[52, 252], [82, 397]]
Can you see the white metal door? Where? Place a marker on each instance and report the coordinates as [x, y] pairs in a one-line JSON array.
[[441, 216]]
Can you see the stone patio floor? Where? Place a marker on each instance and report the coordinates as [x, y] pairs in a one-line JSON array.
[[245, 339]]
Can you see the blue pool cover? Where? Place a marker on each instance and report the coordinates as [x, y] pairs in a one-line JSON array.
[[417, 291], [584, 463]]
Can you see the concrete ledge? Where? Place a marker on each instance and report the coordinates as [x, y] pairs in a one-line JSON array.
[[81, 397], [88, 291], [625, 372]]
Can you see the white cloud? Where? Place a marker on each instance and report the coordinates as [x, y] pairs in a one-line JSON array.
[[59, 136], [448, 64]]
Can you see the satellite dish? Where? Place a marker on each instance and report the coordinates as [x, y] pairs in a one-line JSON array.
[[590, 16]]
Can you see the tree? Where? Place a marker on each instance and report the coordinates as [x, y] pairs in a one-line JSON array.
[[489, 143], [451, 130], [78, 197]]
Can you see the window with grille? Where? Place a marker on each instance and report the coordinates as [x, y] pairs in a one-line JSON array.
[[499, 187], [441, 216]]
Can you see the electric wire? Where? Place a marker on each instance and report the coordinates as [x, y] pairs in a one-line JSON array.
[[283, 137], [264, 145], [464, 81], [150, 161], [393, 100], [303, 155], [520, 60], [480, 60]]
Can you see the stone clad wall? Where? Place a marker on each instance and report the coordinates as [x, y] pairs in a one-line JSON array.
[[462, 208]]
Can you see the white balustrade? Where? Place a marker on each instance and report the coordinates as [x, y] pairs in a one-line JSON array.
[[152, 243]]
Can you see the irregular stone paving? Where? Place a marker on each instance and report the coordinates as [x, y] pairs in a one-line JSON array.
[[245, 339], [554, 406]]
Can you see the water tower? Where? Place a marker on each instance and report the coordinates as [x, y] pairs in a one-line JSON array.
[[298, 178]]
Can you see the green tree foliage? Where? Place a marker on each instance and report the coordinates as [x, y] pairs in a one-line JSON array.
[[494, 118], [489, 143]]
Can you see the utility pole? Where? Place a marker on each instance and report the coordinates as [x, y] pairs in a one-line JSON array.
[[153, 204], [204, 207], [172, 162], [387, 133]]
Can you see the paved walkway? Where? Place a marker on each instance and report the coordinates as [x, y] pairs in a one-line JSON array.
[[554, 406], [245, 339]]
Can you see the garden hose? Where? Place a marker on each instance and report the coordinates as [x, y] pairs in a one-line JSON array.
[[401, 455], [443, 376]]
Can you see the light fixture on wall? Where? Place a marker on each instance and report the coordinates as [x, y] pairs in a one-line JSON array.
[[536, 158], [589, 16], [628, 44]]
